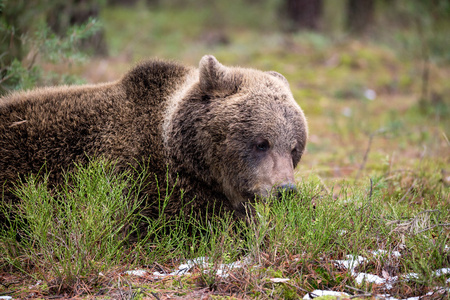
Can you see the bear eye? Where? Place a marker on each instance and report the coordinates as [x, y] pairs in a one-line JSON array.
[[262, 145], [296, 155]]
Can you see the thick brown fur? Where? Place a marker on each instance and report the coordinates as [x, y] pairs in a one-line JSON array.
[[224, 134]]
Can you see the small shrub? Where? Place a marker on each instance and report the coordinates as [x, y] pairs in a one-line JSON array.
[[73, 232]]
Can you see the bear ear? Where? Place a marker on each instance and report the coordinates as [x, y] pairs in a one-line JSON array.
[[279, 76], [215, 79]]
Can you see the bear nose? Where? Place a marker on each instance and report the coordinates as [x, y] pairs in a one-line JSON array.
[[286, 189]]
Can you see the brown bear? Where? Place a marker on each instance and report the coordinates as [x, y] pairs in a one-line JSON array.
[[223, 136]]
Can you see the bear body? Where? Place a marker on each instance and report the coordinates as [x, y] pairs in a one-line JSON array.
[[221, 135]]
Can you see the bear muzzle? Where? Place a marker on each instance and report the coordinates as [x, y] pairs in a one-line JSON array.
[[276, 176], [286, 189]]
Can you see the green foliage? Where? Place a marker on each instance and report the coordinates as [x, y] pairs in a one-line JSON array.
[[421, 27], [28, 43], [83, 227], [72, 233]]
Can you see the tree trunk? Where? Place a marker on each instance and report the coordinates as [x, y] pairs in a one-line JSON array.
[[360, 15], [303, 14]]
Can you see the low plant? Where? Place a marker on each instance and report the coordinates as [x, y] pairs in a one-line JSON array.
[[70, 234]]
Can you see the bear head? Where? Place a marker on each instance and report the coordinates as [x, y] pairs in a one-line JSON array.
[[239, 131]]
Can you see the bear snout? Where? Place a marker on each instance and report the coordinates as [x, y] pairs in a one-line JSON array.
[[286, 189]]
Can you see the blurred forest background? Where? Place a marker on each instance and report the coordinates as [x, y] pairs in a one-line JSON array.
[[371, 75]]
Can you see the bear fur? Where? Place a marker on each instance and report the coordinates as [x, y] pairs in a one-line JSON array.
[[221, 135]]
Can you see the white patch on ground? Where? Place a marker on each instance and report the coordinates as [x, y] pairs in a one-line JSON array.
[[346, 112], [318, 293], [277, 280], [221, 270], [354, 261], [139, 273], [410, 276], [351, 262], [342, 232], [365, 277], [388, 297], [442, 271], [381, 252], [370, 94], [38, 283]]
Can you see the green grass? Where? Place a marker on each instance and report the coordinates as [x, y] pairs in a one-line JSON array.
[[69, 236]]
